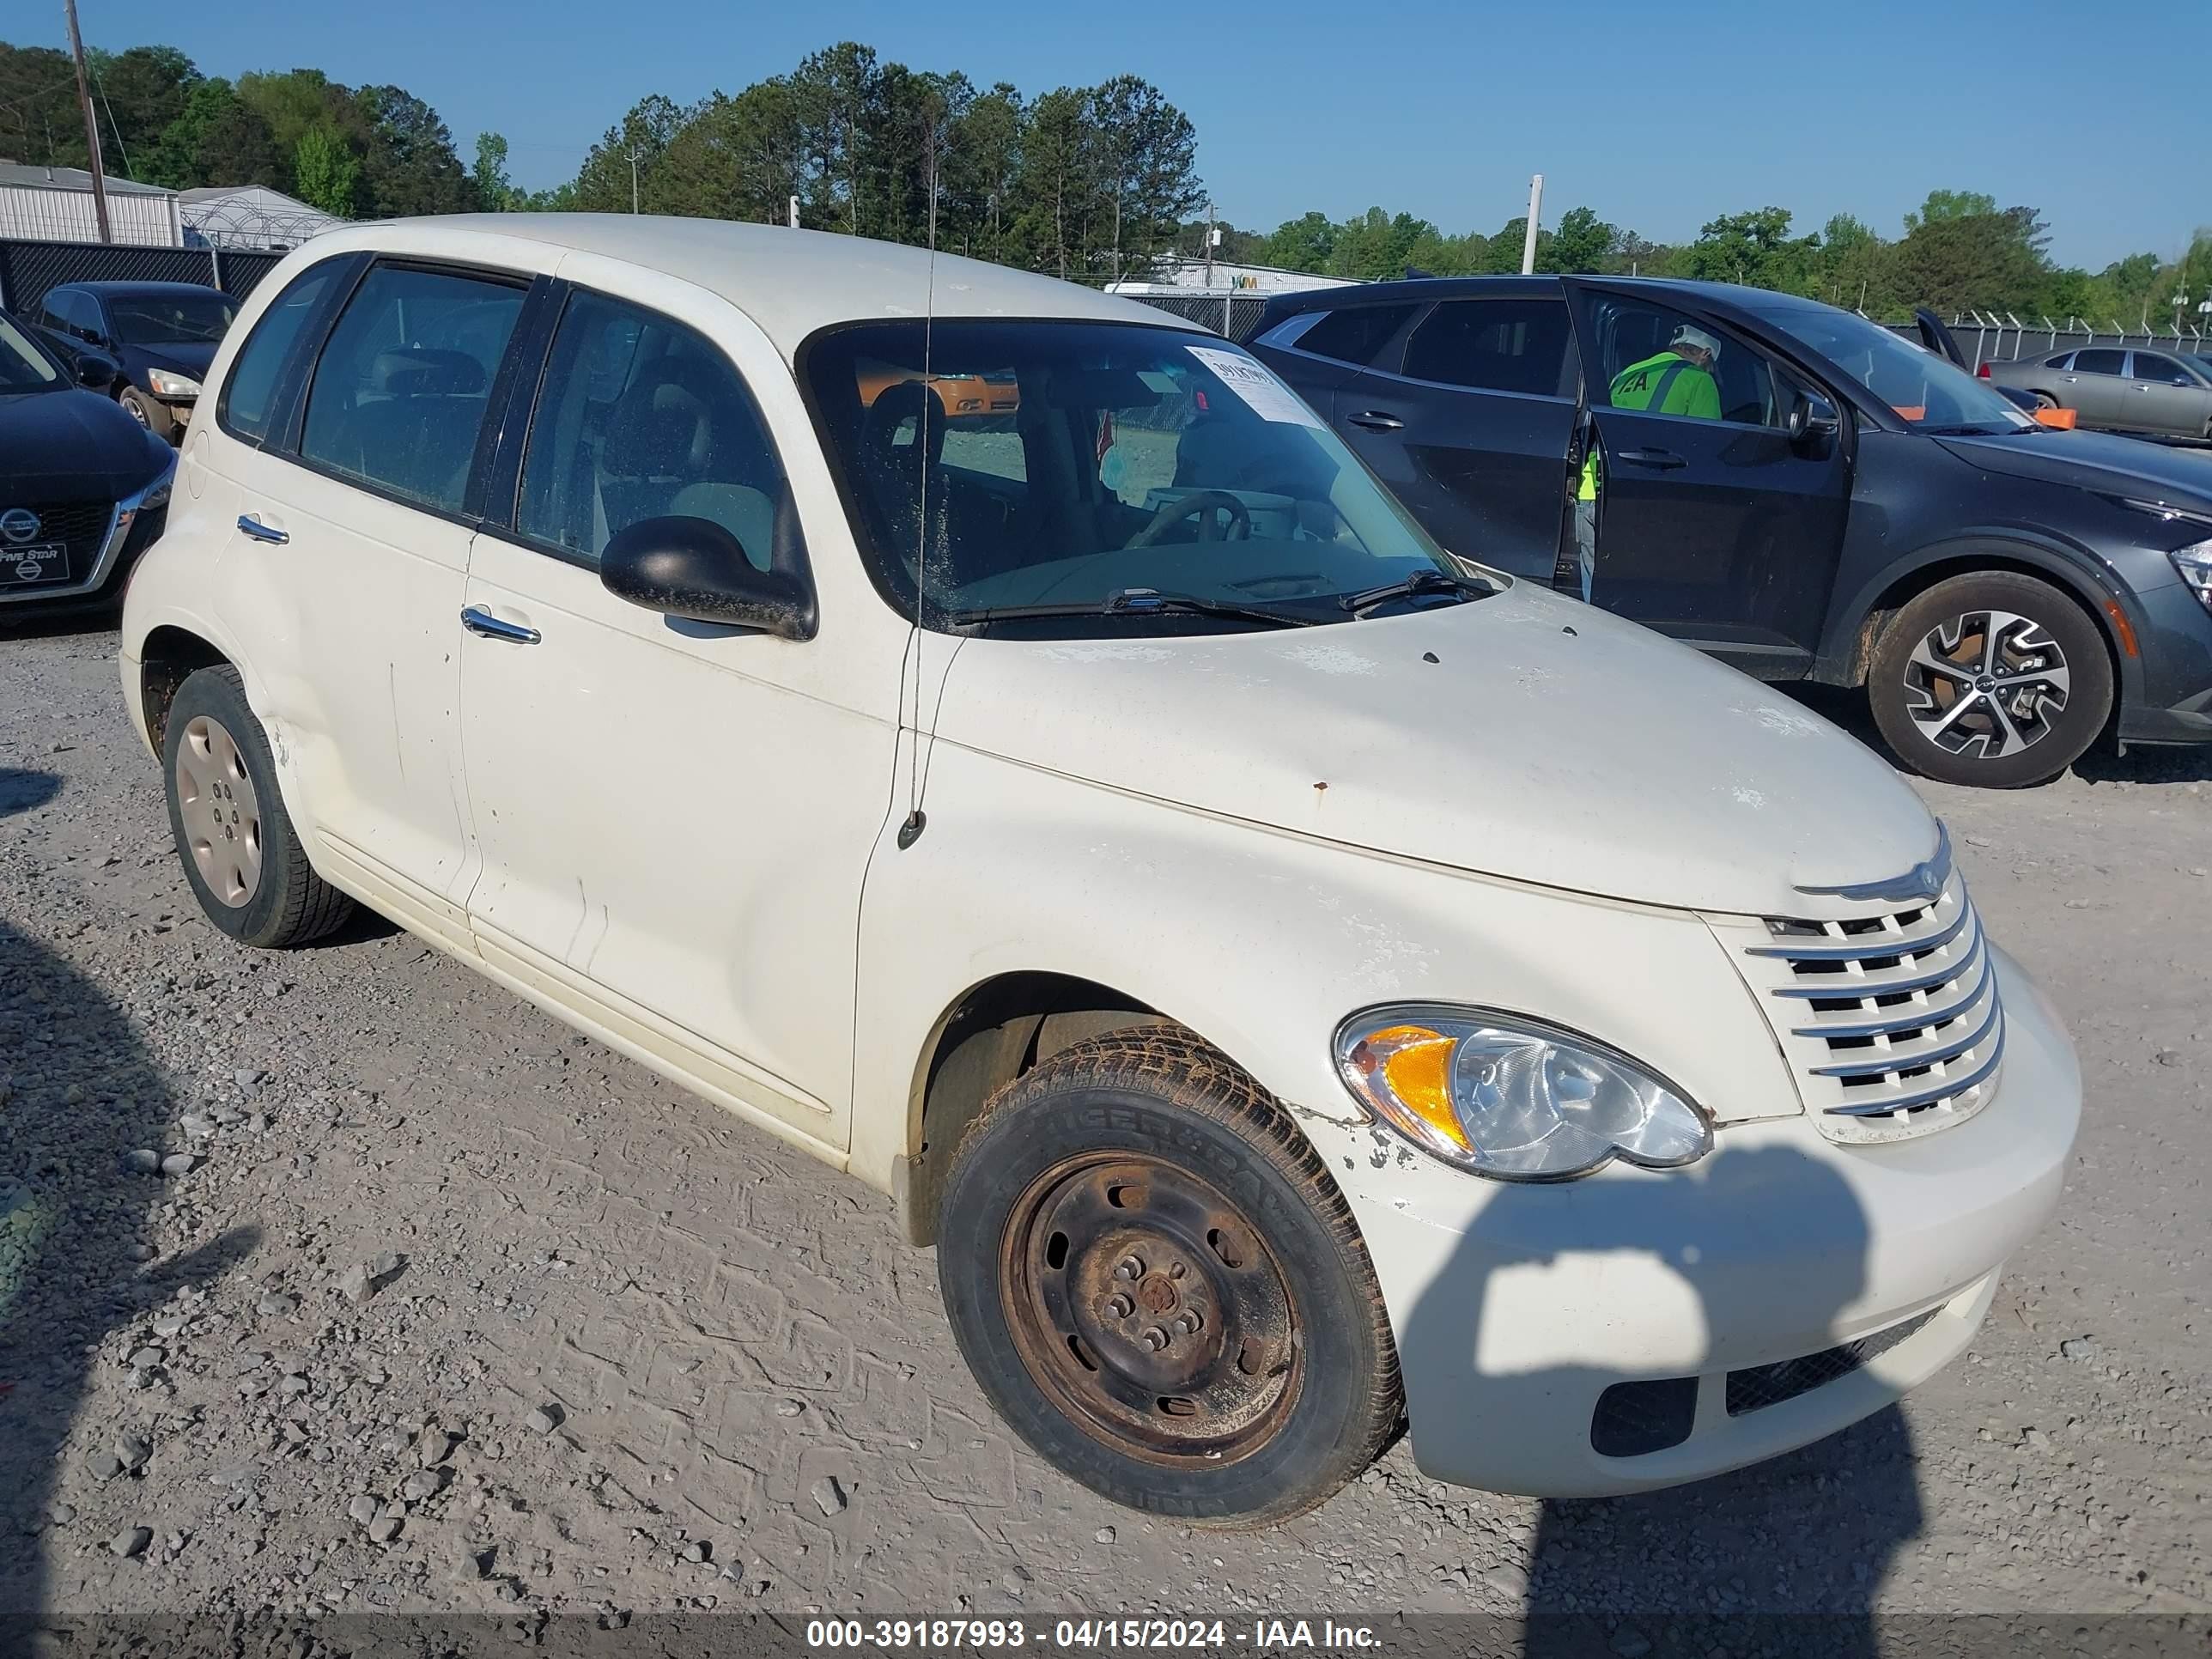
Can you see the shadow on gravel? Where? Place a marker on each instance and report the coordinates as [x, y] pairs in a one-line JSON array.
[[1768, 1237], [25, 792], [79, 1094]]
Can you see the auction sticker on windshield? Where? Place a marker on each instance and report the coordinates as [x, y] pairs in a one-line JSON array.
[[1267, 397]]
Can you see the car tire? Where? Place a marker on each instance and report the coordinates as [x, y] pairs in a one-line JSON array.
[[234, 838], [2027, 662], [1161, 1289], [2045, 400], [150, 413]]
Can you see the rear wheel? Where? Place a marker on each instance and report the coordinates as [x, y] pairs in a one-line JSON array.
[[2045, 400], [1160, 1288], [1993, 680], [235, 840]]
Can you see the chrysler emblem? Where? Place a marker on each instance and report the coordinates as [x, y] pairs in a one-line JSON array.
[[19, 523], [1922, 883]]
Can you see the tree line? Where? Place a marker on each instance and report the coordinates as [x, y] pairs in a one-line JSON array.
[[1091, 183], [1958, 250]]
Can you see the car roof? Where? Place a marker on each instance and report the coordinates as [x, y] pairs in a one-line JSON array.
[[125, 290], [791, 282]]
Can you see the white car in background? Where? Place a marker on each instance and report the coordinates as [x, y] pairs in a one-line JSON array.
[[1295, 975]]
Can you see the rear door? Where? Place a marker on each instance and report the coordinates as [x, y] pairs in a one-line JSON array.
[[2162, 396], [1722, 534], [2096, 387], [1317, 351], [1471, 426]]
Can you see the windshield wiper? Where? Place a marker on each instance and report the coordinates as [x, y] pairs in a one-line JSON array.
[[1136, 602], [1421, 581]]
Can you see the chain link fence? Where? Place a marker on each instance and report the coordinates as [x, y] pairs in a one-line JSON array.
[[1986, 339], [1231, 311], [27, 269]]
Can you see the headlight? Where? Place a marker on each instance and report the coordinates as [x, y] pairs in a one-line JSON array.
[[2195, 564], [1510, 1098], [167, 385]]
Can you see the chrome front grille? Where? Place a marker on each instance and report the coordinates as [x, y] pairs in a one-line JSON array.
[[1890, 1016]]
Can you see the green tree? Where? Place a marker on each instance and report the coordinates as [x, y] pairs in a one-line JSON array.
[[985, 155], [137, 94], [326, 174], [1582, 243], [604, 182], [39, 120], [1989, 261], [1053, 188], [1755, 248], [219, 139], [1301, 244], [1943, 204], [409, 166], [496, 191]]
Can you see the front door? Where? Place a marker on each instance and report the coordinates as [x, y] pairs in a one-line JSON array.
[[347, 570], [1472, 430], [1713, 525], [2164, 397], [674, 819]]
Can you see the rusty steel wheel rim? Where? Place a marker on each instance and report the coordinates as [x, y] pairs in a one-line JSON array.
[[220, 811], [1150, 1311]]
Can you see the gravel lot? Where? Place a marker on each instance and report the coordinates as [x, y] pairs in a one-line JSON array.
[[431, 1304]]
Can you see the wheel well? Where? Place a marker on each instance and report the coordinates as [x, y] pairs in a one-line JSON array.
[[169, 657], [1915, 582], [991, 1035]]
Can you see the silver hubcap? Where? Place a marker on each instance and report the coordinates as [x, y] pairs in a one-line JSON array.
[[222, 813], [1986, 684]]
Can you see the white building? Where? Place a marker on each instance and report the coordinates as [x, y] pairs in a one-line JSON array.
[[249, 216], [55, 204], [1185, 277]]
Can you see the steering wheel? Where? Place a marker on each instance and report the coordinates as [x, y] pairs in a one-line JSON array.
[[1203, 504]]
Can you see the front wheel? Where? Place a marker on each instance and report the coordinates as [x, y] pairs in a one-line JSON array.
[[1993, 680], [150, 413], [1161, 1289]]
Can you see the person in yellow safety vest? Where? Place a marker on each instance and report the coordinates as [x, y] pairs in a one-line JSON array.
[[1676, 382]]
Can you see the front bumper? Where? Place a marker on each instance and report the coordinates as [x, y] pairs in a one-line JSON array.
[[1516, 1307], [2174, 703]]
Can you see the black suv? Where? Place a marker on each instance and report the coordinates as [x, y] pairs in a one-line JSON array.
[[162, 336], [1845, 505]]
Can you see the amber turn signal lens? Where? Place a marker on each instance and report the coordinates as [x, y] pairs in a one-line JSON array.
[[1415, 1063]]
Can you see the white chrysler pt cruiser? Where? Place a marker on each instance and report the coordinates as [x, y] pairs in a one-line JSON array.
[[995, 737]]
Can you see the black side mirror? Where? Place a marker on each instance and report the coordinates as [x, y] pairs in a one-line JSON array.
[[95, 371], [694, 567], [1812, 420]]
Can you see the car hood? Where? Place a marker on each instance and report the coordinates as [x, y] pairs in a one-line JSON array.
[[66, 445], [182, 358], [2096, 461], [1520, 735]]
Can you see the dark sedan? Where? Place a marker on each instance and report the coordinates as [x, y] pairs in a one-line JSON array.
[[162, 336], [83, 488], [1792, 489]]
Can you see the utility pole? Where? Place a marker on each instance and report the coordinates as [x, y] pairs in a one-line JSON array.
[[794, 213], [91, 126], [632, 168], [1209, 245], [1535, 212]]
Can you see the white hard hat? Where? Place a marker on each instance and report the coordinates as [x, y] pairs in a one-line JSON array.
[[1690, 334]]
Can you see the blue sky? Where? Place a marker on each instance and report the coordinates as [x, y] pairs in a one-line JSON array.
[[1659, 121]]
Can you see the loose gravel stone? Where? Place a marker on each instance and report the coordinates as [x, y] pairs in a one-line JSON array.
[[829, 1495], [385, 1530], [364, 1508], [544, 1420], [131, 1542], [276, 1305], [179, 1163]]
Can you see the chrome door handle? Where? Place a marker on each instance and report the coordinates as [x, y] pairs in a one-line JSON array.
[[1375, 421], [478, 620], [251, 526]]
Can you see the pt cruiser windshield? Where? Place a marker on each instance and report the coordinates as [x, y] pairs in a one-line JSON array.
[[1082, 476]]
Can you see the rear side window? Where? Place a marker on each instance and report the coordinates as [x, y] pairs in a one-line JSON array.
[[250, 386], [400, 396], [1356, 334], [2101, 361], [641, 418], [1496, 345], [2062, 361]]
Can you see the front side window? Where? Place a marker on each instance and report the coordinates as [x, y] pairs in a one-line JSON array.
[[641, 418], [401, 391], [1139, 476], [2161, 370], [23, 366], [146, 319], [1658, 361], [250, 389], [1929, 392], [1495, 345], [2100, 360]]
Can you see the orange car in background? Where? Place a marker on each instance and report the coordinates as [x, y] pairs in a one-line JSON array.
[[960, 394]]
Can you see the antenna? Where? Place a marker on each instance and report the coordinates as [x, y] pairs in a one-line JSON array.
[[916, 819]]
